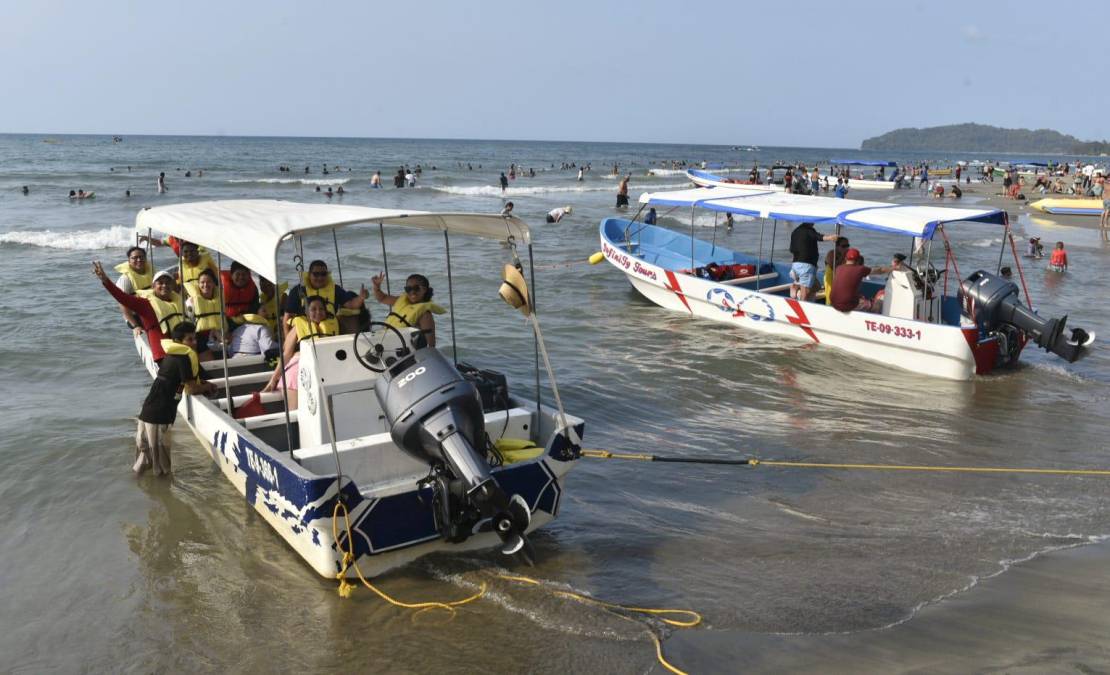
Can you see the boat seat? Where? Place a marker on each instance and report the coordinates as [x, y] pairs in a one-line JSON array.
[[750, 280], [268, 419]]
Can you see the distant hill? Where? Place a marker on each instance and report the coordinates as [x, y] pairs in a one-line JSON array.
[[982, 138]]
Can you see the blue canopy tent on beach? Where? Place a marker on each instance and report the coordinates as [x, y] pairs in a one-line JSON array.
[[862, 162]]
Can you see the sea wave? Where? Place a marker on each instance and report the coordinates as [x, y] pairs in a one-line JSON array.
[[116, 236], [291, 181]]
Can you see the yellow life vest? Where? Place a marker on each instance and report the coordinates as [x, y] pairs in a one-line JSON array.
[[206, 313], [139, 281], [171, 347], [271, 306], [168, 312], [191, 272], [405, 314], [327, 293], [306, 329]]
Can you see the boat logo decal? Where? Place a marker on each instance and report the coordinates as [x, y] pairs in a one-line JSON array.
[[627, 262], [800, 319], [672, 286], [752, 306]]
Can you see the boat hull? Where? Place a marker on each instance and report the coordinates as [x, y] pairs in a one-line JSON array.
[[391, 523], [944, 351]]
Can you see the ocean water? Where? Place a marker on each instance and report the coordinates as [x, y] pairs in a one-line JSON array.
[[100, 571]]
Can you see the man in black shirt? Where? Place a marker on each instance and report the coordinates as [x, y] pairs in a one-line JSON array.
[[178, 371], [803, 246]]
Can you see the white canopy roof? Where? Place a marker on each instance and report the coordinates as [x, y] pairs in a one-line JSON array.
[[919, 221], [250, 230]]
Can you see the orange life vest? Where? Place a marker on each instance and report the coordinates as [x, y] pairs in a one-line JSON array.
[[237, 300]]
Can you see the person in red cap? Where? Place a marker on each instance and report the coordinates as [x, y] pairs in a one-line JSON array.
[[845, 294]]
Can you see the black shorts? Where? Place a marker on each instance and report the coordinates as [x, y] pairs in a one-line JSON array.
[[550, 218], [622, 200]]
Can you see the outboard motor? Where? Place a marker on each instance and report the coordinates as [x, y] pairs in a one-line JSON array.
[[997, 306], [435, 415]]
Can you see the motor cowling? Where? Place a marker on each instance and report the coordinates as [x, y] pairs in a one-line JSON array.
[[995, 302], [435, 415]]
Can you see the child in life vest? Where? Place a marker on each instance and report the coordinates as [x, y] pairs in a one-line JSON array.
[[1059, 260]]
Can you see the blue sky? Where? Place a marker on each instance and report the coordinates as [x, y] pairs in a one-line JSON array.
[[825, 74]]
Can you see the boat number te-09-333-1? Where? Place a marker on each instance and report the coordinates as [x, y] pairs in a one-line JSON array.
[[896, 331]]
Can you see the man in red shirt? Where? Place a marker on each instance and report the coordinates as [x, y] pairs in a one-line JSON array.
[[847, 279]]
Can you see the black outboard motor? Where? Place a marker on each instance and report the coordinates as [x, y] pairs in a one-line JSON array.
[[435, 415], [997, 305]]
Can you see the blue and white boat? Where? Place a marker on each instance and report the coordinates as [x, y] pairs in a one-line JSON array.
[[425, 454], [925, 324]]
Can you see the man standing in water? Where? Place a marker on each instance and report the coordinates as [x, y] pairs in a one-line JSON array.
[[162, 182], [622, 192], [504, 182], [177, 372]]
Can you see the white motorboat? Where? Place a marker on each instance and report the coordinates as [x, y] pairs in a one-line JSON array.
[[982, 323], [426, 453]]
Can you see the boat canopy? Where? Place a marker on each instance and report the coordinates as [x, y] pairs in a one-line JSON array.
[[918, 221], [250, 230], [862, 162]]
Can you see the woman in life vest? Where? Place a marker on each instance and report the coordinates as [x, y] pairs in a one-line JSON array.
[[158, 309], [412, 309], [136, 274], [203, 308], [315, 324], [193, 261]]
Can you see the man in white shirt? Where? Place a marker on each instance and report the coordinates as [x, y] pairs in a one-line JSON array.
[[555, 215]]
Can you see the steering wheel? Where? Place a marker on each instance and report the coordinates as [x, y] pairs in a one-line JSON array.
[[370, 349]]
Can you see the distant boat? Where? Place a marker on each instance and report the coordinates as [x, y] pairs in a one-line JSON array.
[[50, 140], [117, 139]]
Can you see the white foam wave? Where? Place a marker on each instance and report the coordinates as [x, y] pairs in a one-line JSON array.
[[292, 181], [495, 190], [116, 236]]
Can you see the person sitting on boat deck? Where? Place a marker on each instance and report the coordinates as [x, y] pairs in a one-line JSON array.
[[413, 309], [803, 246], [1059, 260], [834, 259], [849, 277], [240, 293], [178, 371], [192, 262], [315, 323], [202, 307], [317, 282], [555, 215], [136, 274], [158, 309]]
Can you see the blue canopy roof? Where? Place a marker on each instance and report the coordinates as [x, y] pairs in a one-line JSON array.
[[862, 162], [917, 221]]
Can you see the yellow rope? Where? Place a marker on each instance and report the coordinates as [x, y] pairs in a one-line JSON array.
[[346, 588], [693, 620], [605, 454], [910, 467]]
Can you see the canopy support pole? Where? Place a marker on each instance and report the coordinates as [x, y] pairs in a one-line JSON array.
[[451, 299], [181, 276], [1002, 249], [338, 263], [281, 354], [774, 233], [224, 337], [713, 251], [759, 258], [692, 265], [535, 335], [385, 260]]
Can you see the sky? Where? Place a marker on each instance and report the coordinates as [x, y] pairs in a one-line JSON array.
[[816, 74]]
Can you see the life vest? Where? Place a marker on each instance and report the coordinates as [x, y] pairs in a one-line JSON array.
[[237, 300], [205, 312], [168, 312], [327, 293], [1059, 257], [191, 272], [271, 306], [405, 314], [140, 281], [307, 329], [171, 347]]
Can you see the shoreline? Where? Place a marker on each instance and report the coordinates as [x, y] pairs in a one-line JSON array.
[[1046, 613]]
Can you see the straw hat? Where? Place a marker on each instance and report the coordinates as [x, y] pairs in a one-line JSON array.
[[514, 290]]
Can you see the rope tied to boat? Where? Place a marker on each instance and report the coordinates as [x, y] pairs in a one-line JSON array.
[[754, 462]]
